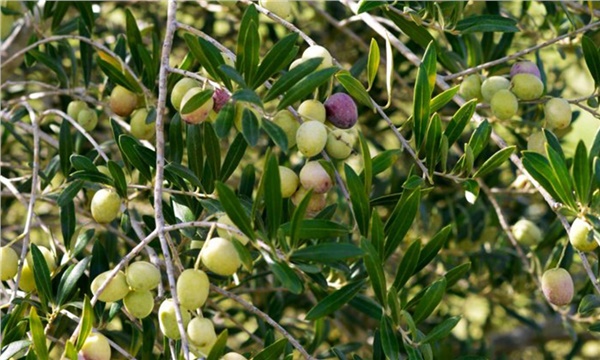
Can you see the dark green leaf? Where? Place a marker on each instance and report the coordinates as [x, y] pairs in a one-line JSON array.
[[95, 177], [327, 252], [224, 120], [306, 86], [184, 173], [218, 347], [67, 195], [250, 56], [456, 273], [433, 141], [377, 233], [250, 127], [354, 88], [459, 121], [562, 182], [367, 174], [133, 39], [592, 57], [247, 95], [431, 249], [208, 56], [421, 105], [276, 59], [276, 134], [85, 50], [68, 281], [236, 152], [195, 152], [273, 199], [212, 148], [480, 138], [243, 253], [538, 166], [316, 229], [582, 177], [82, 163], [175, 135], [197, 101], [68, 221], [588, 304], [389, 341], [286, 275], [494, 161], [366, 5], [128, 148], [441, 330], [408, 264], [359, 199], [416, 33], [334, 301], [118, 177], [41, 275], [234, 209], [400, 220], [487, 23], [374, 267], [53, 64], [273, 351], [297, 222], [430, 300], [65, 147], [291, 78]]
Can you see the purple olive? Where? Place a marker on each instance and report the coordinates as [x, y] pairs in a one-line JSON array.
[[220, 98], [341, 110], [525, 67]]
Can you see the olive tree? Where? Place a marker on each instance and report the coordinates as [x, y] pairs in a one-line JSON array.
[[311, 179]]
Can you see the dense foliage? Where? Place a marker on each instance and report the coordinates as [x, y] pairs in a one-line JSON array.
[[311, 179]]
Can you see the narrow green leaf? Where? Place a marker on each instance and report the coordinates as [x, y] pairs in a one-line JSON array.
[[243, 253], [196, 101], [359, 199], [247, 95], [291, 78], [68, 221], [366, 5], [487, 23], [480, 138], [433, 141], [184, 173], [208, 56], [538, 166], [441, 330], [327, 252], [416, 33], [41, 275], [354, 88], [377, 233], [400, 220], [306, 86], [127, 145], [582, 177], [53, 64], [176, 143], [236, 152], [456, 273], [234, 209], [459, 121], [286, 275], [431, 249], [421, 105], [430, 300], [374, 266], [68, 281], [224, 120], [65, 147], [86, 322], [276, 134], [389, 341], [440, 100], [250, 127], [316, 229], [85, 49], [494, 161], [95, 177], [276, 59], [408, 264], [133, 39], [562, 182], [118, 176], [67, 195], [195, 152], [273, 199], [37, 333], [273, 351], [372, 62], [297, 222], [334, 301], [367, 174], [218, 347], [212, 149]]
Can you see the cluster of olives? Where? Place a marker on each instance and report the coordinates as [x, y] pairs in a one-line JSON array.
[[9, 265], [185, 89], [503, 96], [557, 284], [132, 286]]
